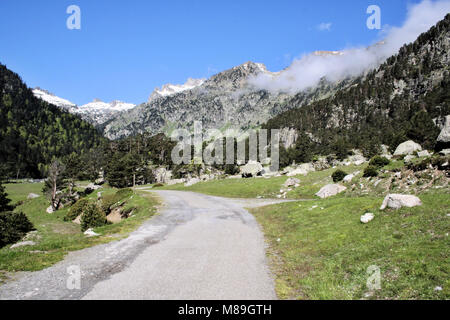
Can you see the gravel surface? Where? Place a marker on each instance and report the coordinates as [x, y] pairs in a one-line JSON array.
[[198, 247]]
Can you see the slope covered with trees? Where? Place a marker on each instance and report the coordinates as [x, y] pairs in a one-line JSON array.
[[394, 103], [32, 132]]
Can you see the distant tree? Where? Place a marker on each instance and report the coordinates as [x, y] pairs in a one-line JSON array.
[[55, 183], [4, 200]]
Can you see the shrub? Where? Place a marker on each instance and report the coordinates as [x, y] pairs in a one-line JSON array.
[[156, 185], [13, 227], [379, 162], [370, 171], [92, 217], [77, 209], [338, 175], [231, 169]]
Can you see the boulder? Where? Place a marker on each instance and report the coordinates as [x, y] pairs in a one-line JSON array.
[[191, 182], [33, 196], [251, 169], [291, 182], [330, 190], [444, 136], [308, 167], [366, 218], [348, 178], [423, 153], [396, 201], [162, 175], [408, 147], [297, 172], [90, 233], [23, 244], [445, 152]]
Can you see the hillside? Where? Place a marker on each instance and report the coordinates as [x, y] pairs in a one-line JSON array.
[[391, 104], [33, 131]]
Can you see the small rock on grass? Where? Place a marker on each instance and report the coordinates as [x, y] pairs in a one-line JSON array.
[[90, 233], [23, 244], [366, 218]]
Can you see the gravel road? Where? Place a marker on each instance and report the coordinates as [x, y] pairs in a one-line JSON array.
[[199, 247]]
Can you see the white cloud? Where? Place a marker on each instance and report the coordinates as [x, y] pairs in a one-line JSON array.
[[324, 26], [309, 69]]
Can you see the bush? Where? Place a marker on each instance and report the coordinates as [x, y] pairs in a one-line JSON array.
[[338, 175], [370, 171], [156, 185], [92, 217], [13, 227], [77, 209], [379, 162], [231, 169]]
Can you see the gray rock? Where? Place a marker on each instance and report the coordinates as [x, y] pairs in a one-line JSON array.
[[408, 158], [162, 175], [23, 244], [408, 147], [444, 136], [251, 169], [397, 201], [366, 218], [423, 153], [330, 190], [33, 196], [93, 186], [175, 181], [90, 233], [297, 172], [291, 182], [49, 210], [445, 152]]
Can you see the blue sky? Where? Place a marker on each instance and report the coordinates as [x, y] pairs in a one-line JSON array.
[[127, 48]]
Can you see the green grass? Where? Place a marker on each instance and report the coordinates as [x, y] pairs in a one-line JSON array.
[[325, 253], [58, 237], [20, 191], [261, 187]]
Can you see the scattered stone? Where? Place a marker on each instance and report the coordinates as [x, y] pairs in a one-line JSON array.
[[49, 209], [291, 182], [438, 288], [408, 147], [423, 153], [396, 201], [445, 152], [191, 182], [330, 190], [408, 158], [23, 244], [33, 196], [366, 218], [90, 233]]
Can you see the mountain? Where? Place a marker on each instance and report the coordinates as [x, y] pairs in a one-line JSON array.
[[225, 98], [391, 104], [52, 99], [33, 131], [98, 112]]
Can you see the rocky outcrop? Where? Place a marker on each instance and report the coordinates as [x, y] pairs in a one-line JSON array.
[[443, 139], [407, 148], [396, 201], [291, 182]]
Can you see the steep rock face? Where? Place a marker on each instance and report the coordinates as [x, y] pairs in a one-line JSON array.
[[226, 99]]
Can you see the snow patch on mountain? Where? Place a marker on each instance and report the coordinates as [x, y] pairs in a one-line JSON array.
[[52, 99], [171, 89]]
